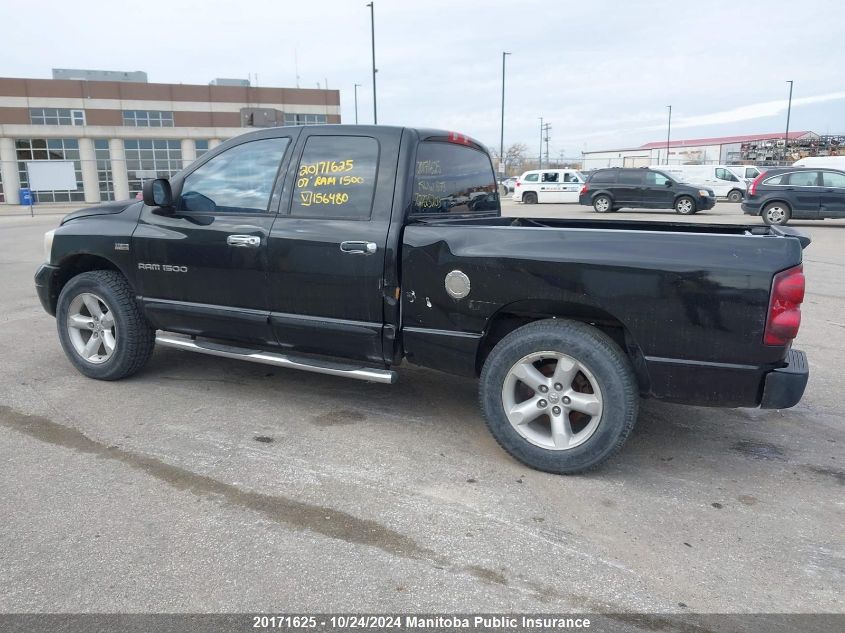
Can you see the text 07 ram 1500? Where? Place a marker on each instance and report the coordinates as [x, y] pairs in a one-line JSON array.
[[348, 249]]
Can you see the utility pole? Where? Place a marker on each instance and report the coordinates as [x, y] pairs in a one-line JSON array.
[[540, 159], [668, 133], [788, 112], [356, 102], [546, 128], [502, 132], [375, 70]]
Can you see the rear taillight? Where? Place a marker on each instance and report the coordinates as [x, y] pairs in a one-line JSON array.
[[785, 306], [585, 189], [752, 188], [518, 184]]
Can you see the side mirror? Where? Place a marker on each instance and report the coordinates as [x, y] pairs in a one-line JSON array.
[[157, 193], [669, 183]]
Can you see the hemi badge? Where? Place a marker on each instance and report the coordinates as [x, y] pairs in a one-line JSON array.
[[118, 246]]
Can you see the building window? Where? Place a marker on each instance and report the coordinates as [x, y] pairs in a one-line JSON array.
[[2, 196], [50, 149], [104, 175], [56, 116], [202, 147], [152, 158], [291, 118], [147, 118]]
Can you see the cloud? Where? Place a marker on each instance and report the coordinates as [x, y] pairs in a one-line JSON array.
[[752, 111]]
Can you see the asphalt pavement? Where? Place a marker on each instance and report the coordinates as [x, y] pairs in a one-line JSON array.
[[205, 484]]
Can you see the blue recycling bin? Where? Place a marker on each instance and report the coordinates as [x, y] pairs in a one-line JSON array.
[[25, 195]]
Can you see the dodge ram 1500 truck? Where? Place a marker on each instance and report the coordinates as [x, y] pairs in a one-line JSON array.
[[346, 249]]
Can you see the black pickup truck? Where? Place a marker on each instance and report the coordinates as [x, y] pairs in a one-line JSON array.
[[346, 249]]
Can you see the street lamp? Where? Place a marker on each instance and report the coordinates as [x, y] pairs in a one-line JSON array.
[[502, 133], [540, 159], [668, 133], [356, 102], [788, 112], [373, 41]]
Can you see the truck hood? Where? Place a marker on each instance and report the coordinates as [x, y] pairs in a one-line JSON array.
[[107, 208]]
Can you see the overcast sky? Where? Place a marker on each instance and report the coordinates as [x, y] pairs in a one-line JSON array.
[[601, 72]]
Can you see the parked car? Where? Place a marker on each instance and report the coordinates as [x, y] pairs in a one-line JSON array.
[[718, 178], [548, 185], [784, 193], [616, 187], [327, 249], [509, 184]]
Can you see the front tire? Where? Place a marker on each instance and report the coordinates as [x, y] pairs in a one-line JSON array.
[[685, 205], [101, 329], [559, 396], [776, 213], [602, 204], [734, 195]]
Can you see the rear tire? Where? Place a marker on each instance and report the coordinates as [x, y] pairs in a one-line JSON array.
[[685, 205], [529, 197], [602, 204], [776, 213], [735, 195], [583, 404], [101, 329]]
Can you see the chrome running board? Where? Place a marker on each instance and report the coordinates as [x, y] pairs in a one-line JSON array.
[[179, 341]]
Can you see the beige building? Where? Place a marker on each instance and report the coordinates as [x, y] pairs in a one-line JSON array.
[[119, 132]]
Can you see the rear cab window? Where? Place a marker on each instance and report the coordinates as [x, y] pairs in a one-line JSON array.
[[453, 179]]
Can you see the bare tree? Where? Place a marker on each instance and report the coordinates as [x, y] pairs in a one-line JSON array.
[[515, 158]]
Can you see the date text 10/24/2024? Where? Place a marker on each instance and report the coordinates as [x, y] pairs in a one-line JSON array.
[[475, 622]]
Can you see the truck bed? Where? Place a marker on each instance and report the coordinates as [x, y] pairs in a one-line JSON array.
[[692, 308]]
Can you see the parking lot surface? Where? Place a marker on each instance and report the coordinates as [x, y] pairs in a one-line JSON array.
[[204, 484]]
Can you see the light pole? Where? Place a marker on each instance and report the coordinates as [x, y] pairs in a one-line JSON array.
[[356, 102], [668, 133], [540, 159], [502, 130], [373, 41], [788, 112]]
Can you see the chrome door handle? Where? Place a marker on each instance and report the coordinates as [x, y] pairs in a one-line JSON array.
[[244, 241], [359, 248]]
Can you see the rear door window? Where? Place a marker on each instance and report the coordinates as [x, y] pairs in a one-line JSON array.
[[450, 178], [804, 178], [550, 176], [630, 177], [336, 178]]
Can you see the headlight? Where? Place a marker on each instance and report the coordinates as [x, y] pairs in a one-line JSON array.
[[704, 193], [48, 245]]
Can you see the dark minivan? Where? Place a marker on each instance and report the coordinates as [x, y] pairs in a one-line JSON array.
[[616, 187], [777, 195]]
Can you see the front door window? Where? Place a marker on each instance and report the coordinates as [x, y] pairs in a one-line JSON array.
[[240, 180]]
